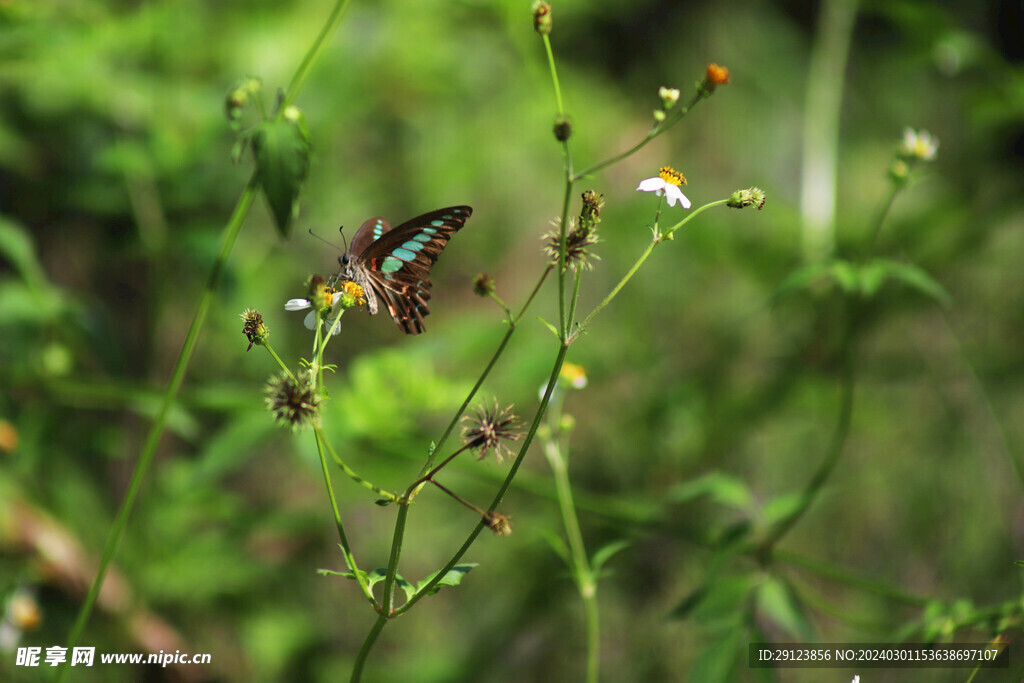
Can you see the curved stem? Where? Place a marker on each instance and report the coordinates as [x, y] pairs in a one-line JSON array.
[[636, 266], [231, 230], [552, 379], [842, 430], [346, 549], [364, 651], [302, 73], [656, 130]]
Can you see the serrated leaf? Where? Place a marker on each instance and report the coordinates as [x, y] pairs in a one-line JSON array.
[[606, 553], [915, 278], [777, 601], [452, 578], [282, 161]]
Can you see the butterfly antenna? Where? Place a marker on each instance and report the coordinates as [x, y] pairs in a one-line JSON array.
[[327, 242]]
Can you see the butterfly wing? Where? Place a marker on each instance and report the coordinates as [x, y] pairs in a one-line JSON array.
[[396, 262]]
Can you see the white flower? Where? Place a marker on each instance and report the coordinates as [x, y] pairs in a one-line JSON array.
[[310, 320], [667, 182], [918, 144]]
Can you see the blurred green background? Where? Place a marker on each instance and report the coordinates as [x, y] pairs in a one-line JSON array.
[[116, 181]]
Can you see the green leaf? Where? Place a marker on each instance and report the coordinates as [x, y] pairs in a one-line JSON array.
[[915, 278], [452, 578], [782, 507], [777, 600], [717, 663], [722, 605], [17, 248], [722, 488], [846, 275], [804, 277], [606, 553], [558, 545], [551, 327], [282, 161]]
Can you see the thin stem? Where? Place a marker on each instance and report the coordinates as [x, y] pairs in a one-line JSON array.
[[656, 130], [563, 227], [364, 651], [883, 213], [582, 571], [231, 230], [302, 73], [636, 266], [839, 436], [458, 498], [430, 475], [321, 439], [554, 74], [487, 371], [346, 549], [559, 359], [280, 362]]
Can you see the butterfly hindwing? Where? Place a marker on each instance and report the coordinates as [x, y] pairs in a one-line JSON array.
[[393, 264]]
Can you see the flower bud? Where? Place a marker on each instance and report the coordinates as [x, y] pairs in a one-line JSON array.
[[542, 17], [483, 285], [741, 199], [563, 129], [254, 329]]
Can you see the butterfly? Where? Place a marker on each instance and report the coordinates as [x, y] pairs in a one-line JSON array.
[[393, 264]]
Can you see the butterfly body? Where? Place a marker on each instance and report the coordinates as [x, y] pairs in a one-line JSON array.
[[393, 264]]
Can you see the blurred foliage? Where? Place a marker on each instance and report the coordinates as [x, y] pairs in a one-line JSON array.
[[710, 402]]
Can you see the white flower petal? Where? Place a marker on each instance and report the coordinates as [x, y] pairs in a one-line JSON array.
[[310, 320], [651, 184], [296, 304], [673, 194]]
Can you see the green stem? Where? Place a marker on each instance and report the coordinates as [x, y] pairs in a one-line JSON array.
[[582, 572], [636, 266], [321, 439], [487, 371], [559, 359], [655, 131], [280, 362], [302, 73], [842, 430], [822, 110], [231, 231], [364, 651], [554, 74], [894, 190], [346, 549], [563, 227]]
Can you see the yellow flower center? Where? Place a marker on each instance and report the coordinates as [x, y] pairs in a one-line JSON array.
[[355, 291], [671, 176]]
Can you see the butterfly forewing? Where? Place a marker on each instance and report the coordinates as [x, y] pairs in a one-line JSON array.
[[395, 262]]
